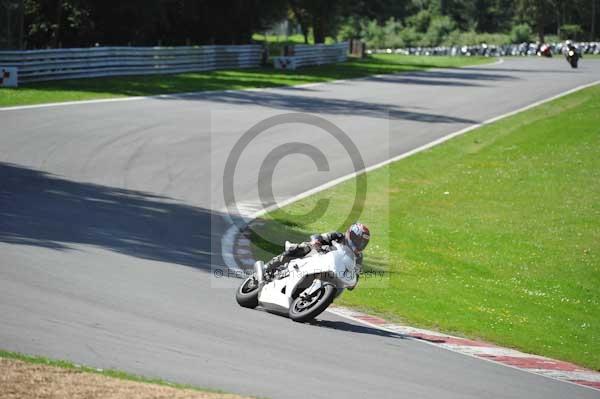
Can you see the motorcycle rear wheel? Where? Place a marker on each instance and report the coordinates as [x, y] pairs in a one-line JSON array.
[[247, 294], [302, 310]]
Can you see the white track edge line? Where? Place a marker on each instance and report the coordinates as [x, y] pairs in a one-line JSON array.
[[201, 92], [416, 150]]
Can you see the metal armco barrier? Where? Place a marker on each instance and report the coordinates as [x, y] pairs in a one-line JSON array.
[[42, 65], [301, 55]]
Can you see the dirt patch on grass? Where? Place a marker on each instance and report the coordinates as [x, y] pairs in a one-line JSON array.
[[19, 379]]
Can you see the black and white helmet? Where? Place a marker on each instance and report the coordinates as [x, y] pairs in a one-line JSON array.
[[357, 237]]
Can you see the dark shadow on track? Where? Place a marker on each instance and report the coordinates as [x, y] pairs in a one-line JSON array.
[[418, 81], [309, 104], [355, 328], [462, 77], [338, 325], [509, 70], [41, 209]]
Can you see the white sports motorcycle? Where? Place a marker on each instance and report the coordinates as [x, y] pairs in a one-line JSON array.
[[304, 287]]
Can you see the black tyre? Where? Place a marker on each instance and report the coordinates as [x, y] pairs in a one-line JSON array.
[[574, 62], [302, 310], [247, 294]]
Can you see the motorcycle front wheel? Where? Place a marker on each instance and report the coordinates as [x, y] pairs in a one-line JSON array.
[[303, 310], [247, 294], [573, 61]]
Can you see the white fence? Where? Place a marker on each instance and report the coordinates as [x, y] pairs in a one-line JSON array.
[[318, 54], [41, 65]]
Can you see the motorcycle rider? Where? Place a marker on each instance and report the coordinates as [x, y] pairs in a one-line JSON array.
[[572, 54], [356, 238], [570, 46]]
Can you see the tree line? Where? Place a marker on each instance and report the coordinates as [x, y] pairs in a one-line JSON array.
[[83, 23]]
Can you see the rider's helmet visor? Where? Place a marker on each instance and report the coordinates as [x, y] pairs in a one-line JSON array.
[[359, 241]]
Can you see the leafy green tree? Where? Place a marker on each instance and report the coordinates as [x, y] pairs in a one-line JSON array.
[[389, 23], [521, 33], [571, 31], [322, 16], [438, 29], [493, 15], [537, 13]]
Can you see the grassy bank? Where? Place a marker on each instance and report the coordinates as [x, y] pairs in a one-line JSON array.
[[494, 234], [36, 376], [88, 89]]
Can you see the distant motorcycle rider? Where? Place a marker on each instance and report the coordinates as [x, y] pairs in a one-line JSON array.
[[356, 238], [572, 54], [570, 46]]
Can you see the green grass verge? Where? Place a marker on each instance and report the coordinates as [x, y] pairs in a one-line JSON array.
[[106, 372], [492, 235], [88, 89]]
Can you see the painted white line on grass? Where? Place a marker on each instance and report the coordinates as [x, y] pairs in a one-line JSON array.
[[206, 92]]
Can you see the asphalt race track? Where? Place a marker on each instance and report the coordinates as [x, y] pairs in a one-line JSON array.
[[110, 214]]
